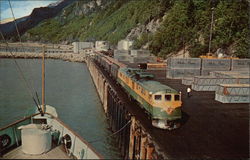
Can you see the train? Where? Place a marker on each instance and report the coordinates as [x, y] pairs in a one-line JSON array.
[[161, 102]]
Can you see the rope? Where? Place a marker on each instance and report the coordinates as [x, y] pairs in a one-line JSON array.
[[97, 140], [21, 73], [20, 40], [15, 21]]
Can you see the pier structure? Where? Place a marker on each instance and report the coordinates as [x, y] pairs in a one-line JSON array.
[[208, 128], [134, 139]]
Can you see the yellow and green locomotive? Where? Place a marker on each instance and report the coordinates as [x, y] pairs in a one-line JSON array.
[[162, 103]]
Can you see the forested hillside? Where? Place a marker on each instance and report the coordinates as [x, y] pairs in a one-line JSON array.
[[182, 23]]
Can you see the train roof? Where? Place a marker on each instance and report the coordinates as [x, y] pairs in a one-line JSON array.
[[111, 60], [155, 86], [149, 85]]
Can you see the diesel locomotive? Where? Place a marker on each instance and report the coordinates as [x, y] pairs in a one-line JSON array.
[[161, 102]]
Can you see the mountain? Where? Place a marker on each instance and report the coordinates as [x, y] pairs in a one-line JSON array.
[[6, 20], [38, 14], [164, 26], [91, 20]]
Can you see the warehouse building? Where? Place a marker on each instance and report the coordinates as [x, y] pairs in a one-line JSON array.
[[80, 47]]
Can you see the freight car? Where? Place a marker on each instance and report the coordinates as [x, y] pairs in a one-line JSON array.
[[162, 103]]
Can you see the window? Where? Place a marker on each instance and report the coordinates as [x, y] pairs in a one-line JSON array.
[[157, 97], [168, 97], [127, 80], [176, 97]]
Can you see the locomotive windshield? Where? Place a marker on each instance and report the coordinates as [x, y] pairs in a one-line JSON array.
[[168, 97], [176, 97], [157, 97]]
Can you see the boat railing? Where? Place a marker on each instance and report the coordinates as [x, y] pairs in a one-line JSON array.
[[74, 145], [79, 148], [10, 135]]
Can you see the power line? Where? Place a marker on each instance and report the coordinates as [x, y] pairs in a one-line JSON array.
[[20, 40], [97, 140], [15, 22], [21, 73]]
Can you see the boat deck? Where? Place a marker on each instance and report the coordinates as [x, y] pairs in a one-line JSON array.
[[55, 153]]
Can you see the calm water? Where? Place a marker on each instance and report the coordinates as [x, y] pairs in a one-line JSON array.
[[69, 88]]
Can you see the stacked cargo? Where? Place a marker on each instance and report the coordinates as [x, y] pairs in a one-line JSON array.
[[187, 81], [233, 93], [122, 55], [209, 83], [223, 74], [209, 65], [156, 66], [179, 68], [140, 53], [220, 68], [150, 59], [134, 56], [230, 78], [141, 56], [240, 64]]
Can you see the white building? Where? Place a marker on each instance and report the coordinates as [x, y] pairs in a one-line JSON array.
[[124, 45], [78, 47], [101, 45]]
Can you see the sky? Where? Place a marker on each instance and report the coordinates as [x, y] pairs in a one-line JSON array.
[[21, 8]]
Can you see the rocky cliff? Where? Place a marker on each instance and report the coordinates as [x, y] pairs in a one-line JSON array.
[[28, 22]]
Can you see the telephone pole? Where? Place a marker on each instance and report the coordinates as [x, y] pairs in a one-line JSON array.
[[211, 31]]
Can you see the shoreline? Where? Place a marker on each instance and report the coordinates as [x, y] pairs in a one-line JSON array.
[[62, 56]]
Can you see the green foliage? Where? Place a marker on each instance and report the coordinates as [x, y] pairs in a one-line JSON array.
[[242, 44], [197, 49], [143, 39], [48, 29], [174, 30], [186, 23], [112, 23], [189, 21]]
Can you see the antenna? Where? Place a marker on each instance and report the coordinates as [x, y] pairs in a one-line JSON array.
[[43, 81]]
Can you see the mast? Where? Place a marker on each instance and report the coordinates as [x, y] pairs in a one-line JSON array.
[[43, 82]]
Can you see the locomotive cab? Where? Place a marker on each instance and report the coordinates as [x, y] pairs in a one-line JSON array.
[[166, 109]]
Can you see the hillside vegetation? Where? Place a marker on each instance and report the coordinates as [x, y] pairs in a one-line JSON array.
[[112, 23], [183, 23]]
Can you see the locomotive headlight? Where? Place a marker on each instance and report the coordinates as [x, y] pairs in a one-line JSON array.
[[150, 93]]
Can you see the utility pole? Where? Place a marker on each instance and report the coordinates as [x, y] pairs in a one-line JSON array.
[[183, 44], [211, 30]]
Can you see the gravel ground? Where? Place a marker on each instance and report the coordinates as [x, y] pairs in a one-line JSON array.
[[210, 129]]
